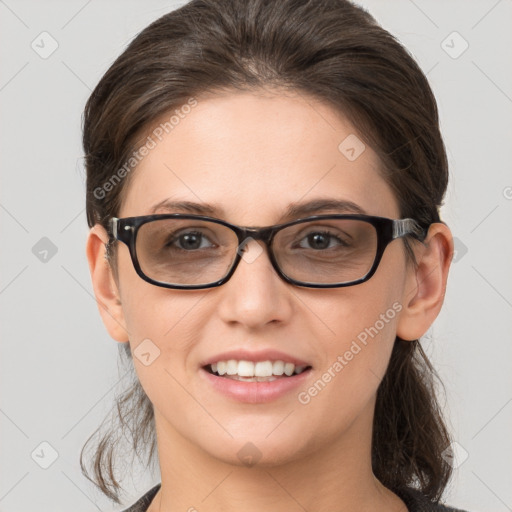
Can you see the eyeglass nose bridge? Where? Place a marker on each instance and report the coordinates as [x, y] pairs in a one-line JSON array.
[[245, 235]]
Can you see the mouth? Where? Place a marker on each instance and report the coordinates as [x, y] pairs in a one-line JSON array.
[[255, 377], [252, 371]]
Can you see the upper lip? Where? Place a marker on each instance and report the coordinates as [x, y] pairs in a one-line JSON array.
[[261, 355]]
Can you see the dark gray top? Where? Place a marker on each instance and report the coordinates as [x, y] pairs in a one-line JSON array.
[[415, 501]]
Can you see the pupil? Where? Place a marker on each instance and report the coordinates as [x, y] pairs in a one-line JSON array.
[[191, 240], [318, 237]]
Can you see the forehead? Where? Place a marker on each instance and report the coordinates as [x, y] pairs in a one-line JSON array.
[[251, 155]]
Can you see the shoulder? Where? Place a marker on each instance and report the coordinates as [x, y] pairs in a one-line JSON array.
[[418, 502], [142, 504]]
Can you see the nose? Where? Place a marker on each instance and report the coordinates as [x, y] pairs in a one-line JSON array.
[[254, 294], [250, 249], [255, 261]]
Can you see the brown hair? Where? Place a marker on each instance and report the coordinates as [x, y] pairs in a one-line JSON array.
[[334, 51]]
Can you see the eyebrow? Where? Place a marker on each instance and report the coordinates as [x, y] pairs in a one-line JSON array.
[[292, 211]]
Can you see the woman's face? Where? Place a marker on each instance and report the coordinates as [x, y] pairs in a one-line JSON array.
[[252, 155]]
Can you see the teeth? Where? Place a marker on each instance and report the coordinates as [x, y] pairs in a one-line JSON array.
[[232, 367], [289, 368], [278, 368], [263, 369], [252, 379], [221, 367], [244, 368]]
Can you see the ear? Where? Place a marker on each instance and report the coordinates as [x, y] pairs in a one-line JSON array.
[[425, 285], [104, 285]]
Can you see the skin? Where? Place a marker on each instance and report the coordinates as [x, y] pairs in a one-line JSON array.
[[254, 153]]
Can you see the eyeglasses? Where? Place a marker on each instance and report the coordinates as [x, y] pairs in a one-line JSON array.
[[322, 251]]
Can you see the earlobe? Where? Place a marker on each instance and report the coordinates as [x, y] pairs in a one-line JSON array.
[[425, 286], [104, 285]]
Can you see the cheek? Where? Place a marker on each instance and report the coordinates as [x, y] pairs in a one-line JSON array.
[[362, 324], [150, 311], [345, 386], [364, 340], [160, 332]]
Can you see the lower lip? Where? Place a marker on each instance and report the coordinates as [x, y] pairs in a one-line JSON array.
[[255, 392]]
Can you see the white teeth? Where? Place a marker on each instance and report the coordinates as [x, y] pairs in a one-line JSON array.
[[246, 369], [289, 368], [232, 367], [221, 367], [265, 369], [278, 368], [252, 379]]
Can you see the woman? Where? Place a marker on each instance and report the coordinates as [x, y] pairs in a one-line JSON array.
[[263, 190]]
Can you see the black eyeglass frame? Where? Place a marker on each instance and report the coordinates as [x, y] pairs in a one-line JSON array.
[[125, 230]]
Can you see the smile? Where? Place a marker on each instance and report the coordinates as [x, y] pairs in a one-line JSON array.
[[252, 371], [254, 382]]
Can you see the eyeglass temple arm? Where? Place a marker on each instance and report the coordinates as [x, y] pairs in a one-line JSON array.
[[402, 227], [113, 226]]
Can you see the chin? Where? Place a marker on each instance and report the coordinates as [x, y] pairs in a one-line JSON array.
[[258, 450]]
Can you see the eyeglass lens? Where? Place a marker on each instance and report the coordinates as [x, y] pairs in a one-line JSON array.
[[197, 252]]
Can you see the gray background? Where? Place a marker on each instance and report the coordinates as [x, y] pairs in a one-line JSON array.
[[59, 371]]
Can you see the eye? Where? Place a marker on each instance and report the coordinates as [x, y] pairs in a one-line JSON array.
[[189, 240], [320, 240]]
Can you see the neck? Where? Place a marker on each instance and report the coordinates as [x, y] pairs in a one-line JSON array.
[[335, 476]]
